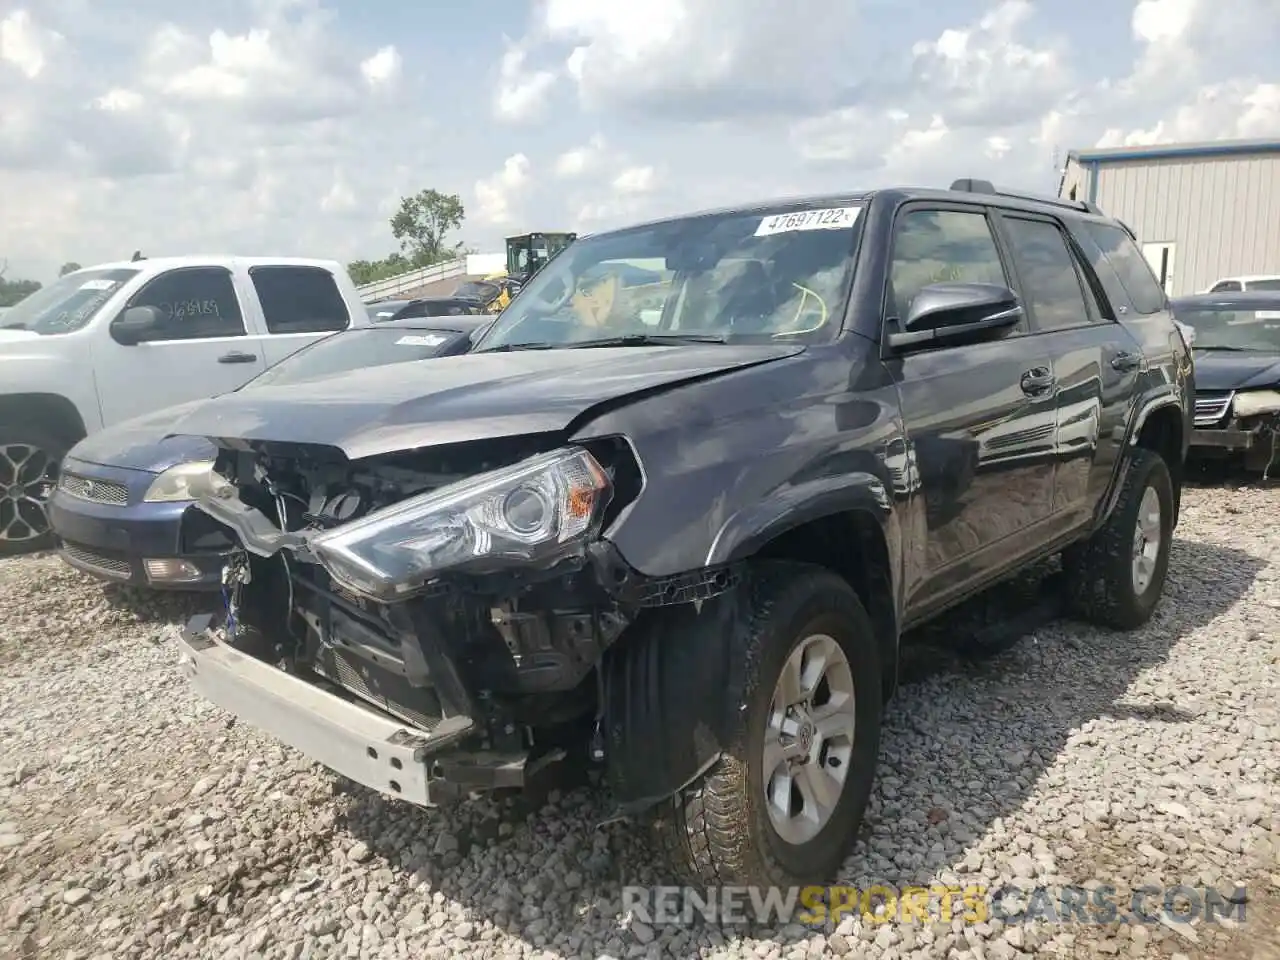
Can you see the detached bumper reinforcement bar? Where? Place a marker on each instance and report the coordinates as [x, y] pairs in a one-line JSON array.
[[368, 747], [1225, 439]]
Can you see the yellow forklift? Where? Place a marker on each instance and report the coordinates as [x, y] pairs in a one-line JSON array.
[[527, 253]]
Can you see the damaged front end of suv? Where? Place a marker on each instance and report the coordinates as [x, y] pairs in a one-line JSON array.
[[465, 593], [598, 536]]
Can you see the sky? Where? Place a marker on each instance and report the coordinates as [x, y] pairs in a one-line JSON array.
[[293, 127]]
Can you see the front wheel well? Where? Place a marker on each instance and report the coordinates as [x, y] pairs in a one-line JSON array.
[[49, 411], [851, 545], [1161, 433]]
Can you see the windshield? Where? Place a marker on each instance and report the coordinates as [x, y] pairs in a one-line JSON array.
[[1233, 328], [476, 290], [385, 310], [355, 349], [1272, 284], [737, 277], [67, 304]]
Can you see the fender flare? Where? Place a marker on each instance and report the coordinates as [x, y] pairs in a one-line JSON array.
[[669, 687], [1159, 400], [794, 505]]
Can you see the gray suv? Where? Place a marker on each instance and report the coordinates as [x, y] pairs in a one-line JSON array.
[[677, 528]]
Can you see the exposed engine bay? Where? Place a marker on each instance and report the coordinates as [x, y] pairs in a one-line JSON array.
[[498, 645]]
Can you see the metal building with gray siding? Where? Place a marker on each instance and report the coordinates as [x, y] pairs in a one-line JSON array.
[[1201, 211]]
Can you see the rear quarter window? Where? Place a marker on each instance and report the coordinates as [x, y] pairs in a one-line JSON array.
[[299, 299], [1123, 270]]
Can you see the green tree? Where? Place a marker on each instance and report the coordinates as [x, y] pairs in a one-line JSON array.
[[371, 271], [69, 267], [422, 224], [12, 291]]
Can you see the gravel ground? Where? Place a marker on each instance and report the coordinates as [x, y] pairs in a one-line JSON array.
[[138, 821]]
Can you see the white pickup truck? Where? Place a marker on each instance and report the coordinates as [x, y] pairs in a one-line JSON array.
[[116, 340]]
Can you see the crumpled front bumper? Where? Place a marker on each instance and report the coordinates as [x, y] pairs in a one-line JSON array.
[[357, 741]]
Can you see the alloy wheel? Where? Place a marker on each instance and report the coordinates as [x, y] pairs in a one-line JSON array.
[[808, 740], [27, 478], [1147, 537]]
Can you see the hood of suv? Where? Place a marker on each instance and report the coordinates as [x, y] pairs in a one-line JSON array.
[[1227, 370], [447, 400]]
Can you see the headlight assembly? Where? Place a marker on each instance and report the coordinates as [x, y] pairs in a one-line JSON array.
[[1251, 403], [533, 513], [188, 481]]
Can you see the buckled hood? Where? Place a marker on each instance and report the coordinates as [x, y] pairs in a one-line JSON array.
[[475, 396]]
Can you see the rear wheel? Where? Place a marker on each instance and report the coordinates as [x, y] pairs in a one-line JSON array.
[[1116, 578], [785, 805], [29, 459]]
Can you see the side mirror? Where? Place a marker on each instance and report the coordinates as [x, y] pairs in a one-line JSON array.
[[949, 312], [135, 325]]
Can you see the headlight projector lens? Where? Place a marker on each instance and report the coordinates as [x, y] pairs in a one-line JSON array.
[[527, 510]]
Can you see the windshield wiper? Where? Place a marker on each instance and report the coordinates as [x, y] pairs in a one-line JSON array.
[[16, 325], [512, 347], [650, 340], [1214, 346]]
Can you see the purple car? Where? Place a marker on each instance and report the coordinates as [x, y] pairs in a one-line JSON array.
[[120, 509]]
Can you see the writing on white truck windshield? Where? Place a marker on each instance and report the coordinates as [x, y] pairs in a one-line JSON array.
[[68, 303]]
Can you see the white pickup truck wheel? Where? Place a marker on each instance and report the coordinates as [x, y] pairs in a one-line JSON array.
[[29, 461]]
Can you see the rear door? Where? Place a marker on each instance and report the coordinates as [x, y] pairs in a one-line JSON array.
[[1096, 362], [206, 345], [298, 305], [980, 417]]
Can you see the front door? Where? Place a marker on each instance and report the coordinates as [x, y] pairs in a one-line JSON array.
[[981, 418], [203, 346]]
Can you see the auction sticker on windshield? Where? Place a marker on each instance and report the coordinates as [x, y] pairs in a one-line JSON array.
[[422, 340], [830, 218], [99, 284]]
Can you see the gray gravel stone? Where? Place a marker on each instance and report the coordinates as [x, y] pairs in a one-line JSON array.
[[138, 821]]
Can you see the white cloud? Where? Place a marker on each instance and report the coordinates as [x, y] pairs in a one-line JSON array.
[[634, 180], [381, 68], [175, 139], [521, 95], [496, 194], [580, 160], [984, 75], [24, 45], [282, 126], [340, 198], [119, 99], [700, 58]]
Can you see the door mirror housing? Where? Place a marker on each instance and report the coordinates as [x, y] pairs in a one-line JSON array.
[[952, 312], [135, 325]]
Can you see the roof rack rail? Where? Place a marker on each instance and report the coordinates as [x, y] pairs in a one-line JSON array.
[[969, 185]]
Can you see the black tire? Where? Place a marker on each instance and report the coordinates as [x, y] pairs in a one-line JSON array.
[[718, 831], [1100, 585], [23, 533]]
